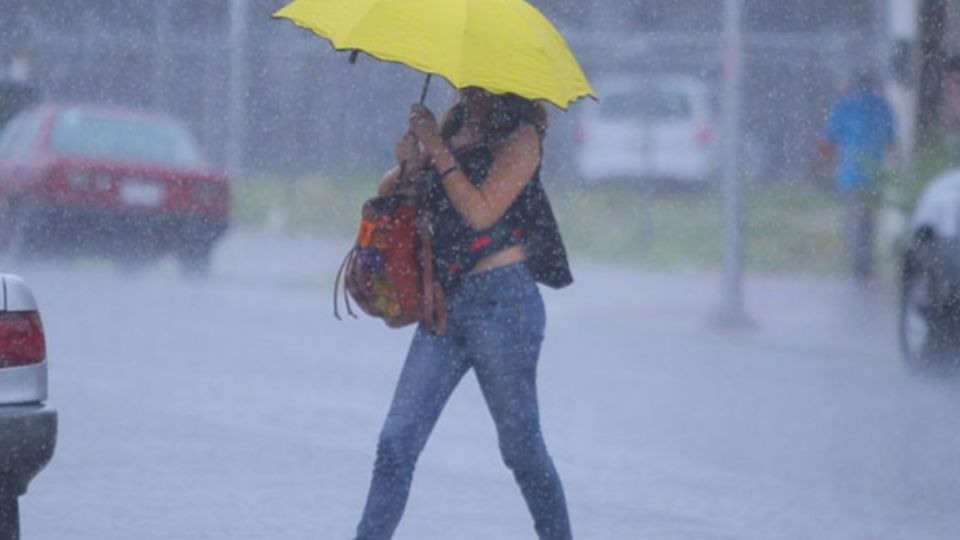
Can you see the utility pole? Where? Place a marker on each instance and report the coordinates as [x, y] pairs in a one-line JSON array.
[[610, 27], [237, 86], [933, 57], [903, 29], [732, 310], [162, 55]]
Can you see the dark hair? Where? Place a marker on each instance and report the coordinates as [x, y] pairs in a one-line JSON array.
[[867, 79], [509, 111]]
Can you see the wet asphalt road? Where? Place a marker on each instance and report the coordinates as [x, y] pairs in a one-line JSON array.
[[236, 407]]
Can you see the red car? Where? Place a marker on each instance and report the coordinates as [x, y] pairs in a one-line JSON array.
[[124, 183]]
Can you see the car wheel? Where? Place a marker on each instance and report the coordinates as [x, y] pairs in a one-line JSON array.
[[134, 262], [195, 259], [927, 321], [26, 235]]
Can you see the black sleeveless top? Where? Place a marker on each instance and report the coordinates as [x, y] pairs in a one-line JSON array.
[[529, 221]]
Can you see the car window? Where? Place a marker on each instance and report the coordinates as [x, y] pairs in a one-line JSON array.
[[14, 97], [21, 134], [7, 136], [650, 104], [124, 138]]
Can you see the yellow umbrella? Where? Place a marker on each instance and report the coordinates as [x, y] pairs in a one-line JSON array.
[[499, 45]]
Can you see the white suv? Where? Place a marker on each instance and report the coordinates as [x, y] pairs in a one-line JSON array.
[[648, 130], [28, 427]]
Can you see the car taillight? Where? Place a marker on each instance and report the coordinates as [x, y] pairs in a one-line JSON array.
[[21, 339]]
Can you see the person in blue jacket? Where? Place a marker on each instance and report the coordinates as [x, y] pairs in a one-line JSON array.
[[861, 127]]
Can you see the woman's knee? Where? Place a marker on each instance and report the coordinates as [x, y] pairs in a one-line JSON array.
[[524, 453], [396, 451]]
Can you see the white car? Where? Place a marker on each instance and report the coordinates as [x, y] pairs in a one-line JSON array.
[[930, 278], [648, 131], [28, 427]]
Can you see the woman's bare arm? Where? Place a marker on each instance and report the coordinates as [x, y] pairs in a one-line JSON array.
[[514, 165]]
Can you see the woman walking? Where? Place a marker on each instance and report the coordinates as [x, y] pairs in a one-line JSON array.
[[494, 238]]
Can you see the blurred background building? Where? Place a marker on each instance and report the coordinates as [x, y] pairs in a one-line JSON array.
[[273, 98]]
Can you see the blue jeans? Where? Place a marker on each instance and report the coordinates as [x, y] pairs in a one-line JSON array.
[[495, 326]]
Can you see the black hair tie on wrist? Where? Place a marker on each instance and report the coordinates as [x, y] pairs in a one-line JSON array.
[[445, 173]]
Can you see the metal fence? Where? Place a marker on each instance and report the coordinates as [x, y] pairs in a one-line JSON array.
[[303, 107]]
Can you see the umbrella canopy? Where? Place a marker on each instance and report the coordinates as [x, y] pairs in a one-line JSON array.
[[498, 45]]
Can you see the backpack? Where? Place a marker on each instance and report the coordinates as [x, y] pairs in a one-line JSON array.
[[389, 270]]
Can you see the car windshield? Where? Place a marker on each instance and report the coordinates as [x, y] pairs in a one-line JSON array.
[[646, 104], [14, 97], [124, 138]]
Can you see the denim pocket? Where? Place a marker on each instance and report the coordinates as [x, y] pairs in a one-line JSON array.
[[503, 301], [517, 309], [510, 297]]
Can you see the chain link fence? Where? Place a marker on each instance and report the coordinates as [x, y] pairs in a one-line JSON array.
[[305, 108]]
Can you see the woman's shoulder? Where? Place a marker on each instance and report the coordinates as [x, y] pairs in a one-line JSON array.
[[525, 132], [524, 139]]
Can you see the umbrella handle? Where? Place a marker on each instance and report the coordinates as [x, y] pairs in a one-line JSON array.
[[353, 56], [426, 86]]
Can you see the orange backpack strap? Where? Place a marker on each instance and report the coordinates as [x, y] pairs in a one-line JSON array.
[[434, 305], [427, 275], [440, 303]]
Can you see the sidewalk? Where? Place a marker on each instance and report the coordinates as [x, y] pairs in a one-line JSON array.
[[793, 311]]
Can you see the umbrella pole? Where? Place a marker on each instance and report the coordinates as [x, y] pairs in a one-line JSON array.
[[426, 86]]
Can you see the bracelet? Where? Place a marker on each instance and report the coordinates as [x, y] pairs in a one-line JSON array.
[[445, 173]]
